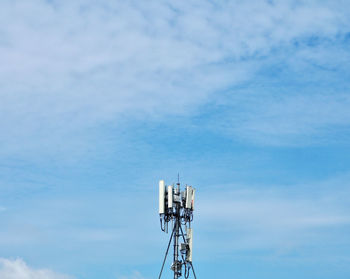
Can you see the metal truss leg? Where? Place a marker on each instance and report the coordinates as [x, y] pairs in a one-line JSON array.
[[166, 253]]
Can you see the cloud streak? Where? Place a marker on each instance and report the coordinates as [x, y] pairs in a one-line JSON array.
[[117, 60]]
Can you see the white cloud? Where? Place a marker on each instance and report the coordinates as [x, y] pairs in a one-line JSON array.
[[72, 65], [18, 269]]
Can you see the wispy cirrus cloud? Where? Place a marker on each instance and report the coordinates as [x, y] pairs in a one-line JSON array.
[[120, 60]]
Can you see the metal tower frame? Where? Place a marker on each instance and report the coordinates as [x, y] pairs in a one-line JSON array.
[[177, 207]]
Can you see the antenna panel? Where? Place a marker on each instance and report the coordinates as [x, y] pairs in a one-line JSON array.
[[193, 192], [170, 196], [189, 191], [161, 197], [189, 235]]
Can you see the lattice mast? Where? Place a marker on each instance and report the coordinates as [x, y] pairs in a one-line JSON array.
[[176, 208]]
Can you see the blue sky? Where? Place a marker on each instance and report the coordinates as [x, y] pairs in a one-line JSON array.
[[248, 100]]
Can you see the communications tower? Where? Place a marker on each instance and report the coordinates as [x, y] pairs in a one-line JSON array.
[[176, 208]]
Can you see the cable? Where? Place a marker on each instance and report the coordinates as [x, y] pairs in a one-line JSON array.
[[183, 237], [193, 270]]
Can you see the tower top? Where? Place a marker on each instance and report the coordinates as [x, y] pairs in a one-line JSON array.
[[178, 207]]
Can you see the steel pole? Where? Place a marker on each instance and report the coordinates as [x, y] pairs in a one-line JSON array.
[[176, 241]]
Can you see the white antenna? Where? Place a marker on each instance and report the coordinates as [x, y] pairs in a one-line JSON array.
[[161, 197], [177, 206], [170, 197], [189, 235]]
